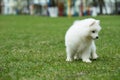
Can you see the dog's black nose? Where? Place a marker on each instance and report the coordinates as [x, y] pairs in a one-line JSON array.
[[97, 37]]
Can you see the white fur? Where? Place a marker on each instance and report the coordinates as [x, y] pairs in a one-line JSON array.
[[79, 40]]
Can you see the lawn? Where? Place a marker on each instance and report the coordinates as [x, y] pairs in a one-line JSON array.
[[32, 48]]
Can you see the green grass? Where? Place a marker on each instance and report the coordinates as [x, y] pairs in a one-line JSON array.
[[32, 48]]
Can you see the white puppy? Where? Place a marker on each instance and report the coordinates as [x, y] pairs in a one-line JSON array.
[[79, 40]]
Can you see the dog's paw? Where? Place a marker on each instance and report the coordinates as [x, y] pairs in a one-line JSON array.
[[95, 56], [87, 60], [76, 58], [69, 60]]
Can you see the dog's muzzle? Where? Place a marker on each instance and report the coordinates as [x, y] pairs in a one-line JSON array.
[[97, 37]]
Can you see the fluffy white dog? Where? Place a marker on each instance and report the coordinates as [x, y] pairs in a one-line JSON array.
[[79, 40]]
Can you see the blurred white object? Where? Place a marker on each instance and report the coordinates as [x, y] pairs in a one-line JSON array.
[[94, 11], [53, 11]]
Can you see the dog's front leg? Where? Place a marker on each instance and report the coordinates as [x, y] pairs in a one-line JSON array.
[[93, 51], [86, 56]]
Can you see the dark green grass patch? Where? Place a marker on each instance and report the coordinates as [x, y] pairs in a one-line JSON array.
[[32, 48]]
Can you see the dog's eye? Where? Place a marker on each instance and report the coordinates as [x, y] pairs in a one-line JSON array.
[[93, 31]]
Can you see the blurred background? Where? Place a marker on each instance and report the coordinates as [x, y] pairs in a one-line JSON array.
[[55, 8]]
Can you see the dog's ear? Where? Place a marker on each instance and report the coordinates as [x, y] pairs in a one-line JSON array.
[[92, 23], [98, 21]]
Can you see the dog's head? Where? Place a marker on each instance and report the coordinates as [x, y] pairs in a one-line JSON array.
[[94, 29]]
